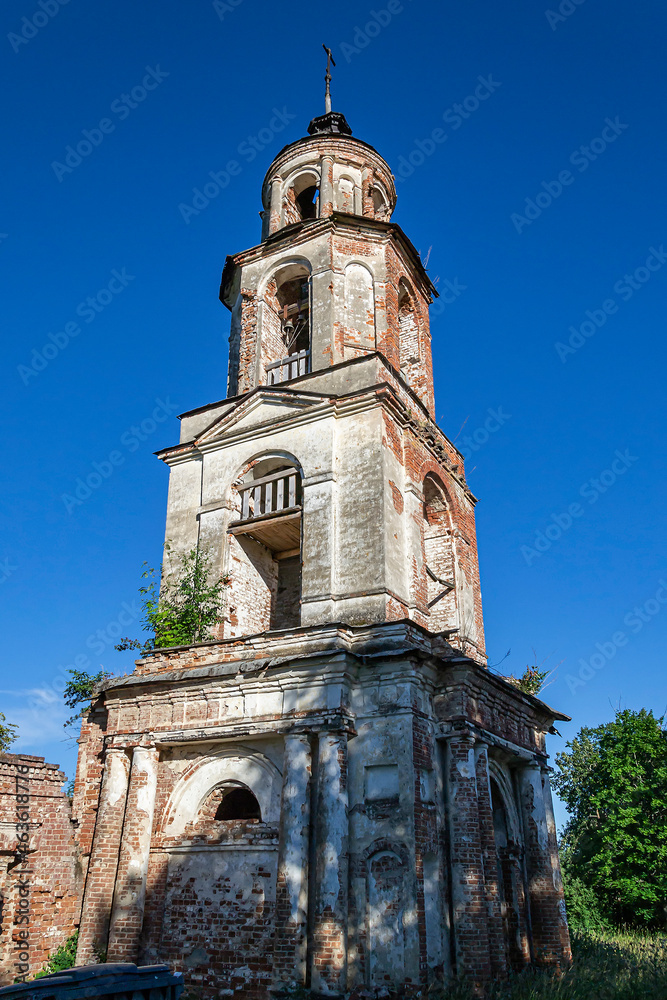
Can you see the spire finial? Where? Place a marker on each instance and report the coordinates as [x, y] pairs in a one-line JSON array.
[[327, 79]]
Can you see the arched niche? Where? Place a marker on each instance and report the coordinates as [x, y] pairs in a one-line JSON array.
[[301, 197], [509, 853], [359, 332], [388, 911], [408, 333], [381, 209], [439, 556], [285, 323], [345, 194], [264, 552], [237, 767]]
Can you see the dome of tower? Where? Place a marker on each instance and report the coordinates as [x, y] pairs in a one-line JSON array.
[[324, 172]]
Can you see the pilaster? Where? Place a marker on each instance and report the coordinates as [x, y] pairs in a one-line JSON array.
[[289, 955], [330, 912], [103, 864], [130, 896]]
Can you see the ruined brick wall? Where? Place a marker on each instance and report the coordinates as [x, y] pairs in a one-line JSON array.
[[40, 890]]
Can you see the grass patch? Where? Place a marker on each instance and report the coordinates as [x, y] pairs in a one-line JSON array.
[[607, 966]]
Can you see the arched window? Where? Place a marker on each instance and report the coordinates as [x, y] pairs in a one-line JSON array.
[[285, 333], [264, 557], [302, 199], [438, 557], [238, 803], [408, 332]]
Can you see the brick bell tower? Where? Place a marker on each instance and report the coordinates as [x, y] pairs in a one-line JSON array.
[[335, 791]]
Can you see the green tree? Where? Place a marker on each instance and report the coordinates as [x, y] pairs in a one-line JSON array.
[[185, 610], [8, 733], [613, 780], [79, 690]]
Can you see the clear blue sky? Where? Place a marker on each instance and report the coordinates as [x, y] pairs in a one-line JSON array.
[[218, 72]]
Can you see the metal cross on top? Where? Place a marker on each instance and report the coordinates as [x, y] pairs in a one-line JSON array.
[[327, 79]]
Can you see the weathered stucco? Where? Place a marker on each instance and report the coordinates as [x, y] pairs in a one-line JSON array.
[[333, 792]]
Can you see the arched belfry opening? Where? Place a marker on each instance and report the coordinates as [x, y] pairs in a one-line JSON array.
[[286, 324], [438, 557], [264, 559], [301, 200]]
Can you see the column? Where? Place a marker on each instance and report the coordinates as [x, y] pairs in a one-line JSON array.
[[276, 204], [548, 924], [128, 905], [330, 912], [471, 936], [326, 187], [289, 954], [367, 192], [103, 863], [492, 882]]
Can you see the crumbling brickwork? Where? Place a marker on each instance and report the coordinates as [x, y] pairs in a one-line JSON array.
[[333, 793], [40, 875]]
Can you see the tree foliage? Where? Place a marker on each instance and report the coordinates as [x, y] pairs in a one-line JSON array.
[[185, 610], [613, 780], [8, 733], [79, 690]]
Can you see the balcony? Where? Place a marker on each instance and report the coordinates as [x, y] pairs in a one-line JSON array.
[[288, 368], [271, 511]]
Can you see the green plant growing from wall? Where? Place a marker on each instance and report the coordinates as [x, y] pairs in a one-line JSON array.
[[62, 958], [187, 607], [531, 680], [80, 691], [186, 610]]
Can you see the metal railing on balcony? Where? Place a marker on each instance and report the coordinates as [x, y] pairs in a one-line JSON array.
[[287, 368], [273, 494]]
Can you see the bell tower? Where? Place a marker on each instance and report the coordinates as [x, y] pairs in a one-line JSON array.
[[333, 792], [322, 481]]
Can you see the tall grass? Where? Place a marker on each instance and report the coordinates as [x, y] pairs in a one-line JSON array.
[[607, 966]]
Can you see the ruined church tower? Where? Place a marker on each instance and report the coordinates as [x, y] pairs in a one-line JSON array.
[[334, 791]]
